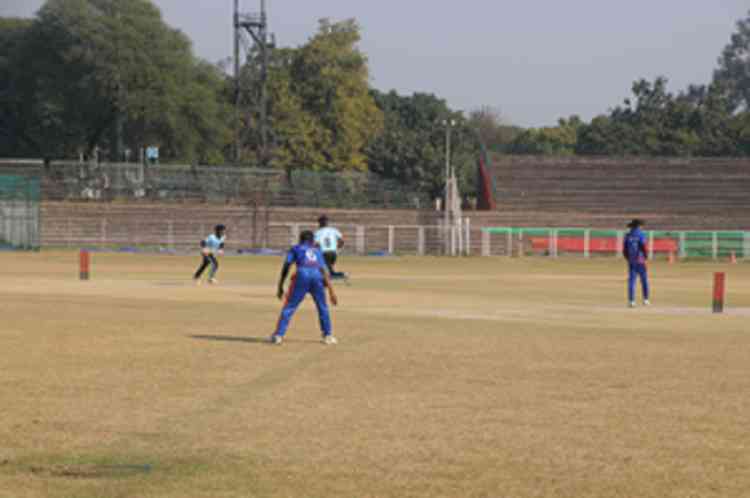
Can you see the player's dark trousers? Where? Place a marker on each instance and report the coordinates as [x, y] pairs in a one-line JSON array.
[[208, 260], [330, 258], [636, 271]]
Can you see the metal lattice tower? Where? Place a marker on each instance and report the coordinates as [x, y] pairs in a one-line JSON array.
[[254, 25]]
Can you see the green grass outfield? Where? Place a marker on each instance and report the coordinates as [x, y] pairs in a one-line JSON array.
[[478, 377]]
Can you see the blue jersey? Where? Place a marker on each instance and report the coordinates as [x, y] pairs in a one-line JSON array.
[[634, 247], [308, 259]]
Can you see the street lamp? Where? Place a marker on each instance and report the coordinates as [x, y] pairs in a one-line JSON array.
[[449, 124], [449, 214]]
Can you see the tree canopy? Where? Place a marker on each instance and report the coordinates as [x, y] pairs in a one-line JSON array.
[[412, 146], [321, 112], [733, 73], [102, 73], [111, 74], [702, 120], [15, 120]]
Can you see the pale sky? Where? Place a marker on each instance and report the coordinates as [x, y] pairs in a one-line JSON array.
[[535, 60]]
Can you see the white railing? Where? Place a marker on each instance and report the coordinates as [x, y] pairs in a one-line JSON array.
[[419, 240], [179, 234]]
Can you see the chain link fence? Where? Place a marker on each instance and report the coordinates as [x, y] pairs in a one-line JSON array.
[[229, 185]]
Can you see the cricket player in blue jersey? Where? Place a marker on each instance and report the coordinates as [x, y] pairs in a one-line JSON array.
[[330, 241], [311, 278], [635, 251], [211, 246]]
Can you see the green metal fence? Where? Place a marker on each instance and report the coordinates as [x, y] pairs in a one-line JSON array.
[[589, 243], [20, 196]]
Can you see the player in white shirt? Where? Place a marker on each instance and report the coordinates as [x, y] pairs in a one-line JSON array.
[[211, 246], [329, 240]]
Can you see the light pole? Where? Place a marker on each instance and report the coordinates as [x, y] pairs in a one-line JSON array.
[[449, 124], [448, 220]]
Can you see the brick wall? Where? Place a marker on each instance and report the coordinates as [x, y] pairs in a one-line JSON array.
[[684, 194]]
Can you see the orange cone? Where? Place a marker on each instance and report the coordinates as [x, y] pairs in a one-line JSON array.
[[671, 257], [733, 258]]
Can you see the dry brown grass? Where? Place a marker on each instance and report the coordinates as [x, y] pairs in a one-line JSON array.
[[473, 378]]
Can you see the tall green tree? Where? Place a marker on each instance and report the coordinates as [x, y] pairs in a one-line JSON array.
[[15, 107], [733, 73], [331, 77], [412, 146], [297, 135], [321, 113], [109, 73]]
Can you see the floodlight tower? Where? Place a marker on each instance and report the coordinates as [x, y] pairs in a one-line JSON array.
[[256, 26]]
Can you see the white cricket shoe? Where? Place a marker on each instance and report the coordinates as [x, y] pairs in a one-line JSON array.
[[213, 281], [631, 304], [329, 340], [197, 282], [276, 339], [646, 302]]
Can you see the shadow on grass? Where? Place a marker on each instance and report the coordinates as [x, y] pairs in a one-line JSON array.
[[229, 338], [91, 471], [249, 340], [174, 283]]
